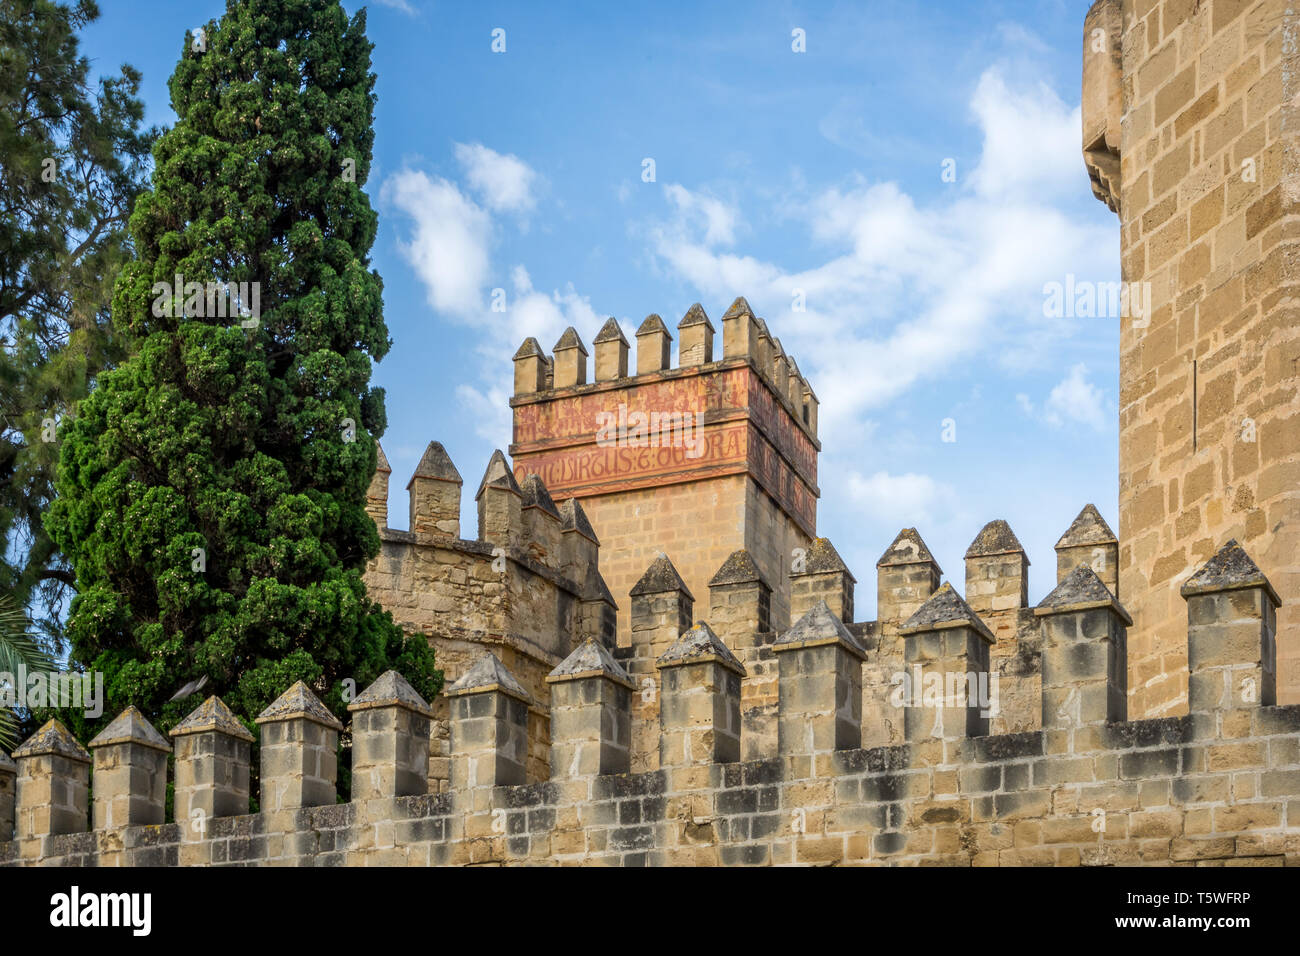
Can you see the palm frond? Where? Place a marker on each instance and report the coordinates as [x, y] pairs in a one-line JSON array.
[[18, 651], [8, 729], [17, 646]]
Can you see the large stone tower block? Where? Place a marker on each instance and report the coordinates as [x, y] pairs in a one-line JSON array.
[[1190, 124], [697, 461]]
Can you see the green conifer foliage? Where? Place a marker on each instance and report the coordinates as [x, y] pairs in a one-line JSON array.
[[211, 489]]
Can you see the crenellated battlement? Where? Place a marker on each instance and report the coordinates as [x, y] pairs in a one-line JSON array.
[[658, 753], [531, 587], [746, 339], [528, 586], [725, 439], [698, 690]]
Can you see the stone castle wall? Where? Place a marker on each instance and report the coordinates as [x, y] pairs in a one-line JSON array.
[[701, 691], [514, 589], [742, 473], [1219, 786], [1190, 135], [527, 586]]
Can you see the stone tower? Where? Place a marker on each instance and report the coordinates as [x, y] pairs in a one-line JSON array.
[[695, 461], [1190, 136]]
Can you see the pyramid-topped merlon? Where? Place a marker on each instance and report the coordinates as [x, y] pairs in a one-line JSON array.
[[611, 331], [570, 340], [437, 464], [738, 308], [562, 432], [1088, 528], [661, 576], [531, 348], [695, 316], [212, 715], [299, 703], [574, 518], [945, 608], [535, 370], [1079, 590], [739, 568], [820, 626], [595, 588], [996, 537], [52, 739], [535, 495], [822, 558], [498, 475], [487, 674], [1230, 569], [590, 659], [907, 548], [700, 644], [1079, 586], [653, 324], [381, 460], [391, 689], [131, 727]]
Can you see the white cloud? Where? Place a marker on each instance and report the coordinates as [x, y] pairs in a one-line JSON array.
[[718, 218], [401, 5], [899, 500], [1016, 35], [1031, 138], [448, 248], [1073, 399], [546, 316], [505, 183], [907, 288], [488, 411], [1076, 399], [529, 312]]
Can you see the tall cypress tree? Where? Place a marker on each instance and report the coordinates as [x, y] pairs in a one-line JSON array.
[[211, 489]]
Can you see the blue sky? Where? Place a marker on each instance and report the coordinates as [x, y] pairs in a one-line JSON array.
[[775, 170]]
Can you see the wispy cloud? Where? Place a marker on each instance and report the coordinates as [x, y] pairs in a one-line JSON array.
[[504, 182], [1073, 399], [908, 288], [899, 500], [449, 241], [401, 5], [699, 208], [450, 248]]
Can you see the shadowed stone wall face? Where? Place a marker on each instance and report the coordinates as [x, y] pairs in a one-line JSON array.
[[528, 587], [1189, 133]]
